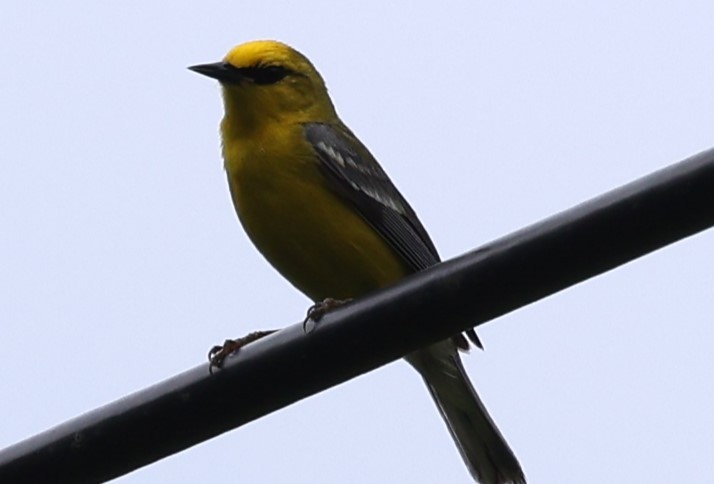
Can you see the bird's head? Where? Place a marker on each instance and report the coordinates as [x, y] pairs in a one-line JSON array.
[[266, 81]]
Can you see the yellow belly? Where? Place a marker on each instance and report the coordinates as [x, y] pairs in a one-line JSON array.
[[310, 236]]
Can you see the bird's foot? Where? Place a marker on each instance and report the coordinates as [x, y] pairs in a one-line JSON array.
[[318, 310], [219, 352]]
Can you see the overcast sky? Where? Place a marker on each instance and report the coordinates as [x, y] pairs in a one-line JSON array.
[[122, 261]]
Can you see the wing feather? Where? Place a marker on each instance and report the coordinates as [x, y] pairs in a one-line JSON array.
[[355, 175]]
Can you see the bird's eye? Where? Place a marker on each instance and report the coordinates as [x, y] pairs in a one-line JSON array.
[[267, 74]]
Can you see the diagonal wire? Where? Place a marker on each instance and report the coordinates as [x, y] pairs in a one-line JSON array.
[[289, 365]]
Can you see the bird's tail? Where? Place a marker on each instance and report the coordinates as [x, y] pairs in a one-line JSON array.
[[486, 453]]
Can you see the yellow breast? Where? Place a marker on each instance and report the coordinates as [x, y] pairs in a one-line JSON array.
[[306, 232]]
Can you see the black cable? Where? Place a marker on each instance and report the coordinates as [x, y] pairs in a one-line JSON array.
[[289, 365]]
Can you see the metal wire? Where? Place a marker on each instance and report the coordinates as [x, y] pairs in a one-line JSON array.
[[290, 365]]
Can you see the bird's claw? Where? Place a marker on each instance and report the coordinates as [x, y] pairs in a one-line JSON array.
[[219, 353], [319, 309]]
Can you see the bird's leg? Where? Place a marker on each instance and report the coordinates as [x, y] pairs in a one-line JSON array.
[[319, 309], [219, 352]]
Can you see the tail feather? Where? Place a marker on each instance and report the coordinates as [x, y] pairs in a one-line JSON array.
[[484, 450]]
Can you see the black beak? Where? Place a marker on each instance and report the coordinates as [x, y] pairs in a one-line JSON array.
[[221, 71]]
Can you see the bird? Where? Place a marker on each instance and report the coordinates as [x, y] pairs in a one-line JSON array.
[[320, 208]]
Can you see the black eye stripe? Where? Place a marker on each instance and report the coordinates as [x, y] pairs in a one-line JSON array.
[[264, 74]]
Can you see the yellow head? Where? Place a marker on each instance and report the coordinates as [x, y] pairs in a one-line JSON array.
[[267, 81]]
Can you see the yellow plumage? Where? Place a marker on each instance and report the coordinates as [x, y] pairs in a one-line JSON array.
[[322, 211], [302, 229], [305, 232]]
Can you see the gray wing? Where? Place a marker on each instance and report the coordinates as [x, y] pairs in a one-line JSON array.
[[354, 174]]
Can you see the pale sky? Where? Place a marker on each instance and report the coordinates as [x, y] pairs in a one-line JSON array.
[[122, 261]]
